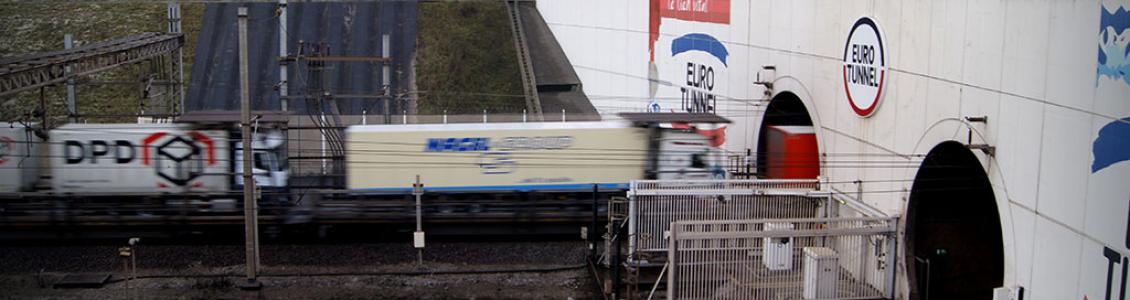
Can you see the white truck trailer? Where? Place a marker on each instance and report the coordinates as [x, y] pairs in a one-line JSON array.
[[133, 159], [520, 156]]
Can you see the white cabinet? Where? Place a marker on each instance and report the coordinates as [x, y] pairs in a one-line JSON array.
[[778, 254], [821, 268]]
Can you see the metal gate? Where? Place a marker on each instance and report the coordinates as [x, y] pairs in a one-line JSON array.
[[803, 258], [654, 204]]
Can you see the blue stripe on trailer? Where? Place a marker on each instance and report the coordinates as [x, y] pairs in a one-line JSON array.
[[519, 188]]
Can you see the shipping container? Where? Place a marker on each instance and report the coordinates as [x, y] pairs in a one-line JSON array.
[[139, 159], [792, 153]]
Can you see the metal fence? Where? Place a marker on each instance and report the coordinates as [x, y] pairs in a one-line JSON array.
[[654, 204], [774, 258]]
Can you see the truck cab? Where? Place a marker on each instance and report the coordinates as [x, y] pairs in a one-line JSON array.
[[269, 168], [683, 146], [688, 155], [269, 165]]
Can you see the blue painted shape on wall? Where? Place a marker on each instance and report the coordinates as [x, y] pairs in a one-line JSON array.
[[1112, 146], [1114, 58], [701, 42]]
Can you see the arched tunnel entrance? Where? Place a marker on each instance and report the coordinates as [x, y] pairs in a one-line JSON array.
[[786, 142], [954, 246]]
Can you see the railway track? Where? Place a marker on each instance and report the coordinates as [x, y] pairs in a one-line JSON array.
[[75, 217]]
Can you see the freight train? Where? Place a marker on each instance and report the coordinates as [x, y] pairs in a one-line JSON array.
[[132, 161], [203, 161]]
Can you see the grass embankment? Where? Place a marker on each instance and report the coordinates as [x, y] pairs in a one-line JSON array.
[[30, 27], [466, 59]]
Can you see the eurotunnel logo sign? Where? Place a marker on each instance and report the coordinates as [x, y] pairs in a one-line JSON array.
[[696, 57], [865, 67], [705, 60]]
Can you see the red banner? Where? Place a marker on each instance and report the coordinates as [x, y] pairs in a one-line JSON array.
[[710, 11]]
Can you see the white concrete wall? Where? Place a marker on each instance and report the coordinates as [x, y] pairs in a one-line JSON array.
[[1029, 66]]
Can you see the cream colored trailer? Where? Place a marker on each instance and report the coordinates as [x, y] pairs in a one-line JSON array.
[[495, 156]]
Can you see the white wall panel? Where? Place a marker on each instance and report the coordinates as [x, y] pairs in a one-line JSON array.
[[1072, 51], [984, 41], [826, 96], [780, 25], [1064, 166], [803, 22], [1093, 275], [911, 107], [1021, 125], [1055, 262], [1023, 240], [760, 14], [913, 50], [828, 23], [1025, 55], [947, 36], [943, 101]]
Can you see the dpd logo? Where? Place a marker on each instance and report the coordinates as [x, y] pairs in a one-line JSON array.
[[865, 67], [178, 159]]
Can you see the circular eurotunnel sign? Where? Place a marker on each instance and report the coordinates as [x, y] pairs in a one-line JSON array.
[[865, 67]]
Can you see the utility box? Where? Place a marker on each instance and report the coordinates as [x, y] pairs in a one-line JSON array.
[[778, 254], [821, 268]]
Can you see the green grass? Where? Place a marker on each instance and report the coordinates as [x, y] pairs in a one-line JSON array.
[[466, 59], [30, 27]]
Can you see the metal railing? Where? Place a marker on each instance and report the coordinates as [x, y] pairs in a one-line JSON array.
[[741, 166], [654, 204], [773, 258], [651, 187]]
